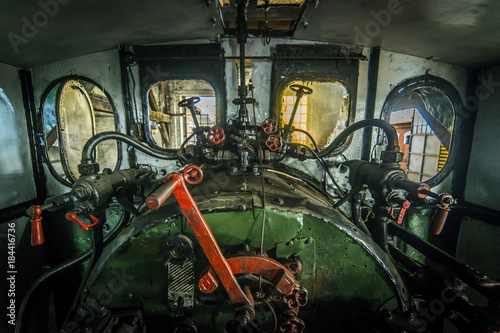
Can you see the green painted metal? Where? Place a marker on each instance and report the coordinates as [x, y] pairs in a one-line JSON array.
[[343, 280], [416, 221]]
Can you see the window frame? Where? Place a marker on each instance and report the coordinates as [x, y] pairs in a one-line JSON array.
[[447, 89], [294, 78], [316, 62], [43, 135], [148, 120], [178, 62]]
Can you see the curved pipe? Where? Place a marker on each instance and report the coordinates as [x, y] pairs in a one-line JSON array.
[[389, 130], [96, 139]]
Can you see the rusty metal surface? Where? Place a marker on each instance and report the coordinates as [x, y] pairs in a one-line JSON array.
[[270, 269]]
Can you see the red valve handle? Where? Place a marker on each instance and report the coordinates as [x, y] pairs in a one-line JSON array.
[[189, 102], [269, 126], [441, 214], [274, 142], [292, 325], [37, 237], [192, 174], [404, 206], [298, 297], [71, 216], [216, 135]]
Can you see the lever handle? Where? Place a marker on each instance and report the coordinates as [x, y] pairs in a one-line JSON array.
[[441, 214], [439, 219], [158, 197], [189, 103], [192, 174], [300, 91], [35, 213], [404, 206], [71, 216]]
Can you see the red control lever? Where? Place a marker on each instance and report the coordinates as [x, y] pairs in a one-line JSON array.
[[36, 225], [441, 214], [224, 270], [404, 206], [176, 185], [71, 216], [216, 135]]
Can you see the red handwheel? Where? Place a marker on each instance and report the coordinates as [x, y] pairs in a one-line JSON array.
[[269, 126], [274, 142], [216, 135], [192, 174]]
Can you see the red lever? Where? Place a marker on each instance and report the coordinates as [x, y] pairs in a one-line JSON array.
[[441, 214], [223, 270], [71, 216], [269, 126], [274, 142], [216, 135], [404, 206], [36, 225], [200, 229]]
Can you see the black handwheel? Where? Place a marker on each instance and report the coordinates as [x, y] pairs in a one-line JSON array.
[[298, 87], [189, 101]]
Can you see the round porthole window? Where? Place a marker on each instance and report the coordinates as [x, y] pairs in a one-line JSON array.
[[73, 112], [423, 110]]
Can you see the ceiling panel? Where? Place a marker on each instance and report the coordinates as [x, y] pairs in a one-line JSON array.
[[82, 27], [461, 32]]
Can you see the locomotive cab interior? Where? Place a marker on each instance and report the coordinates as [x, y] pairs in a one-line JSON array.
[[250, 166]]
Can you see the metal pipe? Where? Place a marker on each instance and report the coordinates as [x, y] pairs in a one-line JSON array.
[[389, 130], [96, 139], [260, 58], [464, 272]]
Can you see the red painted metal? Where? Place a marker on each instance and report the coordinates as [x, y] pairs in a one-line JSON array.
[[404, 206], [266, 267], [192, 174], [441, 214], [423, 191], [292, 325], [269, 126], [71, 216], [204, 236], [297, 297], [209, 283], [216, 135], [37, 237], [274, 142]]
